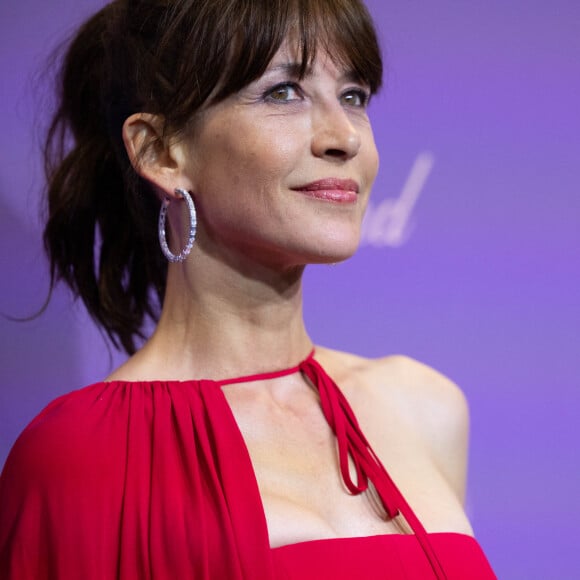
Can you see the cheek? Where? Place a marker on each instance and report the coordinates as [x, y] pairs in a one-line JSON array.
[[375, 167], [369, 168], [260, 158], [371, 156]]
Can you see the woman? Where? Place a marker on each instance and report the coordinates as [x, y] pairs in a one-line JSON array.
[[246, 123]]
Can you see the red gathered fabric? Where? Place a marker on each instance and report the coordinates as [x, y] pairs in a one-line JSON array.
[[153, 480]]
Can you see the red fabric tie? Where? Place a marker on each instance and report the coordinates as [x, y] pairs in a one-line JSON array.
[[352, 443]]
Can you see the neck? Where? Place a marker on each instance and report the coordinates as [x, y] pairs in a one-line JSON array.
[[220, 322]]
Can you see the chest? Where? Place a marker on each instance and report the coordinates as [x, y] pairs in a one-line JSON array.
[[295, 461]]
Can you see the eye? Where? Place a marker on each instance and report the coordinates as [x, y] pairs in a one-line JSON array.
[[355, 98], [283, 93]]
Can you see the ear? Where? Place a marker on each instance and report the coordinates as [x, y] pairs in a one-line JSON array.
[[154, 157]]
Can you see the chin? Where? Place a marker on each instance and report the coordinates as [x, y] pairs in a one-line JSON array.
[[334, 251]]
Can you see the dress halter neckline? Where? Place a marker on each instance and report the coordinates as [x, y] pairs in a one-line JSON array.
[[353, 445], [270, 375]]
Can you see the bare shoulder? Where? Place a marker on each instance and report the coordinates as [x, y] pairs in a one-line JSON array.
[[424, 403], [416, 387], [424, 394]]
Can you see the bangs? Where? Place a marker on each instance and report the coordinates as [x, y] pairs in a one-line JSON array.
[[224, 45], [345, 31], [341, 28]]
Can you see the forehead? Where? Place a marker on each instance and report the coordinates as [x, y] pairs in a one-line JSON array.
[[290, 58]]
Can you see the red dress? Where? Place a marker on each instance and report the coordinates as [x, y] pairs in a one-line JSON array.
[[153, 480]]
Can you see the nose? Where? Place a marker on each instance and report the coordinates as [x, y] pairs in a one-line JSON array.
[[334, 137]]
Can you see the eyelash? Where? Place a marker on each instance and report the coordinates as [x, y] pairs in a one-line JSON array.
[[363, 95], [268, 95]]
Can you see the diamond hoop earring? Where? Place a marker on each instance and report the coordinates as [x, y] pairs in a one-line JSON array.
[[192, 227]]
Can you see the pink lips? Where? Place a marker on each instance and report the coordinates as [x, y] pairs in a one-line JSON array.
[[331, 189]]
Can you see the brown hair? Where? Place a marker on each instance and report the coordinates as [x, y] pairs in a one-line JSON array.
[[165, 57]]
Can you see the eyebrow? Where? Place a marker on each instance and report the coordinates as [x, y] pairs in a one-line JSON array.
[[291, 68]]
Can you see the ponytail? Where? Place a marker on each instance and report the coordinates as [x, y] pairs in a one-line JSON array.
[[101, 225]]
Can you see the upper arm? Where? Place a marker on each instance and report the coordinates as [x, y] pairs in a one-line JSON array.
[[54, 493], [445, 417]]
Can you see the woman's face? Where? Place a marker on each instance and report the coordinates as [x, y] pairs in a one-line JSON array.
[[281, 171]]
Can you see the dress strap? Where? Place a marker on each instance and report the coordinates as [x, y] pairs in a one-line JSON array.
[[352, 443], [264, 376]]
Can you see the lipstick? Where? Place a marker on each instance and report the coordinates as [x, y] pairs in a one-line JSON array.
[[331, 189]]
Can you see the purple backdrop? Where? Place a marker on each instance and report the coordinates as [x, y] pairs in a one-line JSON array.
[[470, 258]]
